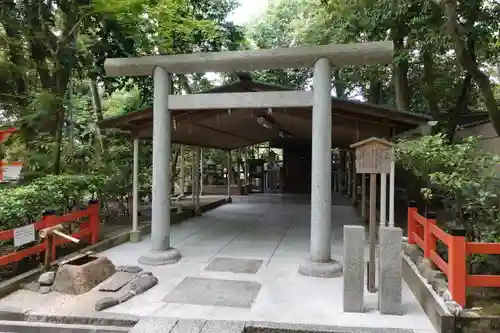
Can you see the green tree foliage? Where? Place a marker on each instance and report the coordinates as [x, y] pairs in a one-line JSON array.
[[428, 73], [51, 49], [53, 87]]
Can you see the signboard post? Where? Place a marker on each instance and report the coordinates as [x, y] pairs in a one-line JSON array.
[[373, 156]]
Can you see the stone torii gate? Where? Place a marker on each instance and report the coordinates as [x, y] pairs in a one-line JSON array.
[[321, 58]]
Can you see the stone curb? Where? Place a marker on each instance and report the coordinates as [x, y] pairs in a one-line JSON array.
[[97, 318], [9, 286], [35, 327], [151, 324], [103, 319], [431, 303]]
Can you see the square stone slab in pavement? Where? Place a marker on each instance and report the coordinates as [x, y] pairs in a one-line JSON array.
[[116, 281], [234, 265], [214, 292]]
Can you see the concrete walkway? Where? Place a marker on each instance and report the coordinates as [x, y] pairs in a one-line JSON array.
[[272, 232]]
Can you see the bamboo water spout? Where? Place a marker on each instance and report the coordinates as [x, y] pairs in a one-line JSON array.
[[48, 234]]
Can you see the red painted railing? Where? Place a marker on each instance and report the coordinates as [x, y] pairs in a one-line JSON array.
[[89, 229], [424, 232]]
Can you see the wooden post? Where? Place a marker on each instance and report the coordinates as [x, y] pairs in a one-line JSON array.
[[200, 187], [135, 186], [373, 235], [383, 199], [95, 224], [348, 171], [457, 269], [193, 176], [182, 184], [412, 227], [354, 183], [392, 187], [373, 156], [429, 238], [363, 196], [49, 240], [50, 219]]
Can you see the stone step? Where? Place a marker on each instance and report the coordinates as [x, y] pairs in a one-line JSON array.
[[34, 327], [167, 325]]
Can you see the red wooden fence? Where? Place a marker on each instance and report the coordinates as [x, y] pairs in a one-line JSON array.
[[424, 232], [89, 229]]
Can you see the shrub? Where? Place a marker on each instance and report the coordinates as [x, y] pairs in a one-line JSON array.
[[462, 177], [461, 174], [24, 204]]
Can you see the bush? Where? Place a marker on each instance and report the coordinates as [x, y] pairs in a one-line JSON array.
[[460, 174], [24, 204], [464, 178]]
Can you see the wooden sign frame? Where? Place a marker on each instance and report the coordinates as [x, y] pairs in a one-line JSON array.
[[373, 156]]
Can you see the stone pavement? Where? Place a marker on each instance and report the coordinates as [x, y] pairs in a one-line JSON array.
[[240, 263], [168, 325]]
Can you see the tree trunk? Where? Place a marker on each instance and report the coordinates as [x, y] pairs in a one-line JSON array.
[[466, 60], [56, 169], [338, 84], [185, 83], [400, 69], [96, 103], [375, 92], [429, 79], [459, 109], [96, 99]]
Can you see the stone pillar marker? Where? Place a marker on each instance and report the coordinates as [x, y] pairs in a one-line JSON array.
[[354, 268], [390, 274], [320, 263], [161, 251], [135, 235]]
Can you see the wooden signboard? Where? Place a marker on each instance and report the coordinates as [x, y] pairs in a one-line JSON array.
[[373, 156]]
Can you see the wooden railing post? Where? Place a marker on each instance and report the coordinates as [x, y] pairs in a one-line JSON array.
[[94, 221], [457, 266], [50, 219], [412, 227], [429, 238]]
